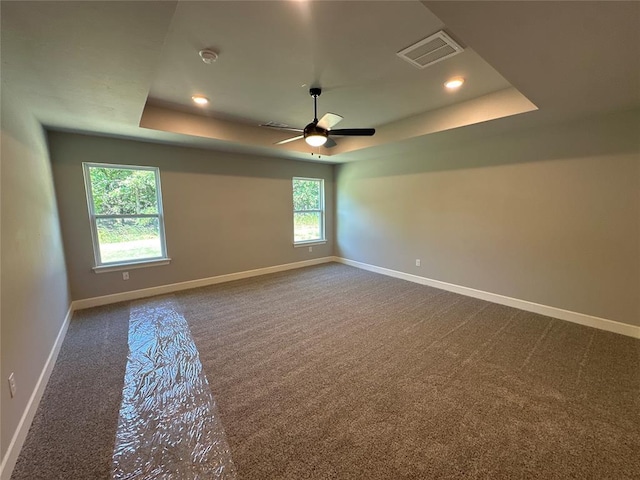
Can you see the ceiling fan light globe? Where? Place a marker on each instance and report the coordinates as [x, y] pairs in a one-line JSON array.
[[316, 140]]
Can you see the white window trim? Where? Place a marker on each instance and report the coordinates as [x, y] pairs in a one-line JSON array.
[[309, 243], [321, 210], [101, 267]]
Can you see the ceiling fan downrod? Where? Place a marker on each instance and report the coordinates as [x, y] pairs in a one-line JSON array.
[[315, 93]]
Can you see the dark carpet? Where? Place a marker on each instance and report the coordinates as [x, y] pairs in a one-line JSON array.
[[73, 432], [331, 372]]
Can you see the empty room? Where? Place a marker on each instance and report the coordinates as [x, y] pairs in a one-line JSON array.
[[313, 239]]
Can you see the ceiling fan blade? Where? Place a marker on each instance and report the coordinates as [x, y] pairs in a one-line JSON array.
[[277, 127], [354, 132], [330, 143], [329, 120], [293, 139]]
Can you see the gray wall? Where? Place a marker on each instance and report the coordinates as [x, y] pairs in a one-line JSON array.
[[224, 212], [34, 296], [550, 215]]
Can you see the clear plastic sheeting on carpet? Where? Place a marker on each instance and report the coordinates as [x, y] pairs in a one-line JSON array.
[[169, 427]]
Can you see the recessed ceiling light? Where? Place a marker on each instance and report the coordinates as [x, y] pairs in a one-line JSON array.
[[200, 100], [454, 83]]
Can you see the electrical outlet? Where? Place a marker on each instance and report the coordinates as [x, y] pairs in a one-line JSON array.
[[12, 385], [125, 275], [311, 249], [417, 262]]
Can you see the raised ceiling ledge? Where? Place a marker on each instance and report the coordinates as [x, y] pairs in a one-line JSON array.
[[492, 106], [503, 103], [175, 121]]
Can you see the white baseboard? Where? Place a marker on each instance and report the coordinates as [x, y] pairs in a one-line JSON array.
[[203, 282], [575, 317], [19, 436]]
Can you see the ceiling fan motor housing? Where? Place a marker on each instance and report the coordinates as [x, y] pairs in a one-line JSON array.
[[314, 129], [314, 135]]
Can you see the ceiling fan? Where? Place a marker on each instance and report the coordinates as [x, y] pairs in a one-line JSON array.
[[317, 133]]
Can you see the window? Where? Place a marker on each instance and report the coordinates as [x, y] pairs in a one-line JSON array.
[[125, 209], [308, 210]]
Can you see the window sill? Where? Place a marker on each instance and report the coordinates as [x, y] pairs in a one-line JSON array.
[[132, 265], [310, 243]]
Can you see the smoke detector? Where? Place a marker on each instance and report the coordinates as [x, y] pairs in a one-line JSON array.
[[208, 56], [430, 50]]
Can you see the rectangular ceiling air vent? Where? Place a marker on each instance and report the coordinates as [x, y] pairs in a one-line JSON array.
[[432, 49]]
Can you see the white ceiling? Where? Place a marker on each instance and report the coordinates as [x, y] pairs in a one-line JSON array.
[[268, 50], [105, 67]]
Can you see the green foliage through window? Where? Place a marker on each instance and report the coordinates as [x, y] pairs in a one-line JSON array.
[[118, 191], [306, 194]]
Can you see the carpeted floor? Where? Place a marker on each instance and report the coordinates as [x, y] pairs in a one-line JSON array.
[[72, 435], [331, 372]]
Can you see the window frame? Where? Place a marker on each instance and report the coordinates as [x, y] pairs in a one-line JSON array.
[[163, 259], [321, 210]]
